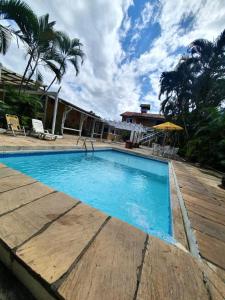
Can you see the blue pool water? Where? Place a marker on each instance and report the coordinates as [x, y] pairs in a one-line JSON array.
[[131, 188]]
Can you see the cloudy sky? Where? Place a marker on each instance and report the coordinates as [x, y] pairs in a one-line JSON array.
[[127, 44]]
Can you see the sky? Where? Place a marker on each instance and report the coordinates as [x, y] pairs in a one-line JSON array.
[[127, 45]]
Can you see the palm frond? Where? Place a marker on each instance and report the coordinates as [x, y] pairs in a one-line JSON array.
[[52, 67], [220, 42], [21, 13], [5, 38], [75, 63]]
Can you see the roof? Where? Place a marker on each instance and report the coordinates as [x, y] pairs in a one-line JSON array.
[[142, 115], [77, 108], [90, 113], [10, 77]]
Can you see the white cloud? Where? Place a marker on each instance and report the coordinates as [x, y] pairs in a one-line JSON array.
[[103, 85], [209, 20]]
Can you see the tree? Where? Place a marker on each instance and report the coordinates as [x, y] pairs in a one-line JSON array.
[[194, 91], [41, 49], [44, 46], [70, 50], [20, 13], [207, 145]]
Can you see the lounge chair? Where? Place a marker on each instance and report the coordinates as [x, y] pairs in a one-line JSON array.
[[13, 125], [38, 131]]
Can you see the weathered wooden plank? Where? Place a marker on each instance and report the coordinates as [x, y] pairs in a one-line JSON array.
[[15, 181], [205, 212], [214, 293], [179, 229], [215, 207], [211, 249], [19, 225], [4, 172], [109, 267], [15, 198], [214, 200], [52, 252], [208, 227], [214, 279], [170, 273]]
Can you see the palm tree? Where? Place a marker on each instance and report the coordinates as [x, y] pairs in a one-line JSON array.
[[42, 51], [70, 51], [19, 12]]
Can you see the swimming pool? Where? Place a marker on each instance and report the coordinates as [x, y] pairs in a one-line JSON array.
[[131, 188]]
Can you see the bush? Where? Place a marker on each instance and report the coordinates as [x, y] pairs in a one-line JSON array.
[[25, 106]]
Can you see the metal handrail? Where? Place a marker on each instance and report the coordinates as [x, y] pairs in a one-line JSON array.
[[85, 140], [149, 137]]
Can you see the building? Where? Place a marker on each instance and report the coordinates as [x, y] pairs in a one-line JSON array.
[[62, 116], [144, 117], [59, 115]]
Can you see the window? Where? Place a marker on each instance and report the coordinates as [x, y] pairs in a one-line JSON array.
[[129, 120]]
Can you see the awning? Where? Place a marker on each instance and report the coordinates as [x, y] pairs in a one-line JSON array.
[[125, 126]]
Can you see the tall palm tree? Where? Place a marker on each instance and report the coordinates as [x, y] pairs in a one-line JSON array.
[[41, 49], [20, 13], [70, 51]]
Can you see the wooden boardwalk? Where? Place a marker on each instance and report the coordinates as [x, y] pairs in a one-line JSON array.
[[61, 248]]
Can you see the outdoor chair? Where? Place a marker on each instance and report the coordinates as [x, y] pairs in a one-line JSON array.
[[156, 149], [167, 151], [39, 132], [13, 125], [175, 151]]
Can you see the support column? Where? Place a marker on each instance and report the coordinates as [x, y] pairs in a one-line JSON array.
[[65, 113], [93, 128], [82, 119], [55, 111], [102, 131], [45, 110]]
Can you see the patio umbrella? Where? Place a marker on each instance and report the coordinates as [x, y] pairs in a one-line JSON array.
[[168, 126]]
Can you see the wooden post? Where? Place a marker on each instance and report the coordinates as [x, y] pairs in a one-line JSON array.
[[93, 128], [45, 110], [82, 119], [102, 130], [65, 113]]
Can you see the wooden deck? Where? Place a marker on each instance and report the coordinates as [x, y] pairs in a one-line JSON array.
[[61, 248], [205, 203]]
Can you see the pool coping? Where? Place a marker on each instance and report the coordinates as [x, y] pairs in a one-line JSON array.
[[32, 281], [175, 222]]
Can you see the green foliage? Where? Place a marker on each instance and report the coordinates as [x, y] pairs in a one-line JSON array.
[[193, 95], [208, 143], [24, 106], [45, 47], [19, 12]]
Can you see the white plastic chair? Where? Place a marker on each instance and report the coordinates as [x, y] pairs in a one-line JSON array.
[[38, 131], [167, 151]]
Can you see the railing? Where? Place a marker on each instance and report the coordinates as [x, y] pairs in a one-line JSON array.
[[85, 140], [149, 137]]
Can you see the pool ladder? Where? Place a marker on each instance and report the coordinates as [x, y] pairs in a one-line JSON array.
[[85, 140]]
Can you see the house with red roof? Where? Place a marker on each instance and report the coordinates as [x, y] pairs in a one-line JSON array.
[[143, 117]]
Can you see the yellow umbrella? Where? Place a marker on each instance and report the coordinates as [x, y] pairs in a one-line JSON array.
[[168, 126]]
